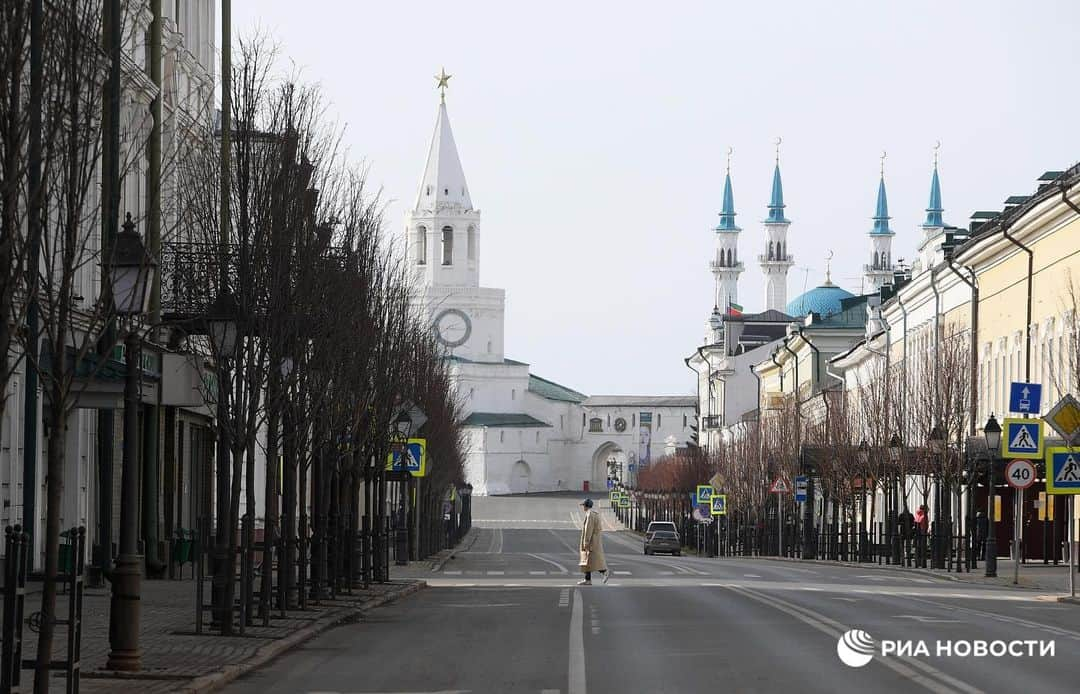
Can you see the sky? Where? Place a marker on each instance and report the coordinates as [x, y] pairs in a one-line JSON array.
[[593, 137]]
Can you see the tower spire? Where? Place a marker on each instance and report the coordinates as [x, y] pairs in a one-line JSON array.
[[776, 260], [776, 200], [727, 212], [933, 208], [881, 211], [880, 268]]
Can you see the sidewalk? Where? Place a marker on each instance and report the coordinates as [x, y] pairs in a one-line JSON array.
[[174, 658], [1036, 576]]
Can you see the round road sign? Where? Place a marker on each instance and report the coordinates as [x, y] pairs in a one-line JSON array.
[[1020, 474]]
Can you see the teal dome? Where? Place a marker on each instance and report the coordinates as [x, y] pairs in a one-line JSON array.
[[824, 300]]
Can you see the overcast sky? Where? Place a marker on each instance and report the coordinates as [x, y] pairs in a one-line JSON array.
[[593, 137]]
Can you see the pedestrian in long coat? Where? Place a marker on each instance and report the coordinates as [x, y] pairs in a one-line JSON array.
[[591, 546]]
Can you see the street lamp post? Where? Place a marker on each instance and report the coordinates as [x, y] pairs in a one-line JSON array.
[[896, 450], [130, 275], [864, 462], [992, 432], [402, 427], [937, 445]]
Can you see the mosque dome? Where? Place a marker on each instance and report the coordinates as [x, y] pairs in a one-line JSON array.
[[823, 300]]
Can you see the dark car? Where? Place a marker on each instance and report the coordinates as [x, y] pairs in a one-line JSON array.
[[663, 541]]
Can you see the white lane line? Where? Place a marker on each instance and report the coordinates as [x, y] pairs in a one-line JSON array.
[[452, 573], [557, 565], [499, 539], [564, 597], [576, 676], [538, 573], [621, 573], [941, 685], [495, 573], [751, 576], [667, 573]]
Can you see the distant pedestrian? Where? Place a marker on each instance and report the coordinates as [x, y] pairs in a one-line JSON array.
[[591, 546], [922, 519], [982, 529]]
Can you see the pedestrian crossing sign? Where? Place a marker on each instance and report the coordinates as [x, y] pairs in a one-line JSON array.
[[624, 501], [1022, 438], [1063, 471], [704, 493], [718, 504]]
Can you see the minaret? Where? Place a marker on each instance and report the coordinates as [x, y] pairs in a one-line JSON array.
[[726, 266], [443, 229], [776, 261], [934, 226], [879, 270]]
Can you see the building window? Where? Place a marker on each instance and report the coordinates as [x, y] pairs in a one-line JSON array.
[[538, 437], [421, 245], [562, 422], [513, 393], [489, 347], [502, 436], [684, 421], [470, 246], [596, 424], [657, 420], [447, 245], [427, 191]]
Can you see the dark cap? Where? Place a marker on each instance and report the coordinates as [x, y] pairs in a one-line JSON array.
[[587, 503]]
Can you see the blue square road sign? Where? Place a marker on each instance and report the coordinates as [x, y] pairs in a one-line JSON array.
[[1025, 398]]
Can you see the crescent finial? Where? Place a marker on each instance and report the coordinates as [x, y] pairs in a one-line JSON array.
[[937, 146], [777, 143]]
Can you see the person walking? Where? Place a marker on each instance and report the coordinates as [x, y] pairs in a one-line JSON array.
[[591, 546], [922, 528]]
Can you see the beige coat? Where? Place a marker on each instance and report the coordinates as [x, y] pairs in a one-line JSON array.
[[591, 543]]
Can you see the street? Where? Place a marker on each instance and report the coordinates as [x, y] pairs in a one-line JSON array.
[[506, 616]]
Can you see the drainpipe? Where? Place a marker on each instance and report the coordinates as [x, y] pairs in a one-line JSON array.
[[937, 351], [1030, 278], [708, 395], [974, 286], [903, 382]]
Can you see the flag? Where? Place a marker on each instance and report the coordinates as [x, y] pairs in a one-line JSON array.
[[733, 309]]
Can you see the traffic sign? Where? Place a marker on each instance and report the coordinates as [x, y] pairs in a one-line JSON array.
[[718, 504], [704, 493], [1063, 471], [716, 482], [1064, 417], [614, 495], [780, 486], [1020, 474], [415, 461], [1022, 438], [801, 483], [701, 515], [1025, 397], [610, 484], [624, 501]]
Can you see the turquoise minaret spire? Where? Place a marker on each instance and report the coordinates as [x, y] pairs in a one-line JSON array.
[[934, 209], [727, 213], [881, 213], [776, 202]]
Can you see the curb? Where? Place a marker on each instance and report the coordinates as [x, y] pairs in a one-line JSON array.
[[470, 537], [217, 680]]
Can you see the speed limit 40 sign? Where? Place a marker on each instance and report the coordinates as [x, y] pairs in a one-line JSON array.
[[1020, 474]]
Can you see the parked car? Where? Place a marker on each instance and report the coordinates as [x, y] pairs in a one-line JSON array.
[[663, 541]]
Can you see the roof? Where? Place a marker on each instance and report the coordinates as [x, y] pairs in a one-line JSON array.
[[443, 182], [824, 300], [770, 316], [553, 391], [503, 419], [642, 401]]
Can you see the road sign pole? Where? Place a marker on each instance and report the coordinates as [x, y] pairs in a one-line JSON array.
[[1072, 547], [1017, 534], [780, 500]]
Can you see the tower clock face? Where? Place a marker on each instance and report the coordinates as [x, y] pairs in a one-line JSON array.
[[453, 327], [620, 425]]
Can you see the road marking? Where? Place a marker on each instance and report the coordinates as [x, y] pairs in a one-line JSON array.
[[495, 573], [497, 542], [751, 576], [927, 620], [849, 599], [621, 573], [576, 675], [538, 573], [557, 565], [1002, 618], [452, 573], [564, 597], [667, 573], [836, 629]]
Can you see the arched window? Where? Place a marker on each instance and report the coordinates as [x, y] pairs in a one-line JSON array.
[[447, 245], [421, 245], [770, 256], [471, 245]]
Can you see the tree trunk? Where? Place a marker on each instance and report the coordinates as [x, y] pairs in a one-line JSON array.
[[270, 508], [54, 497]]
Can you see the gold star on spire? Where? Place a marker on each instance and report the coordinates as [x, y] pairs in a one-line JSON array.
[[443, 83]]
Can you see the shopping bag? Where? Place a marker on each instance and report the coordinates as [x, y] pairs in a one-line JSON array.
[[584, 558]]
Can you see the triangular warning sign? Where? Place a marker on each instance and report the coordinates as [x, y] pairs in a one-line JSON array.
[[780, 486], [1023, 441], [1069, 472]]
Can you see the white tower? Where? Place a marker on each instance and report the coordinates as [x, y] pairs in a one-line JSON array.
[[726, 266], [879, 270], [442, 234], [776, 261]]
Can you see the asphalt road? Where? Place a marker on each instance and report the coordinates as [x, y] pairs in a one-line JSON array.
[[506, 616]]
